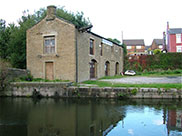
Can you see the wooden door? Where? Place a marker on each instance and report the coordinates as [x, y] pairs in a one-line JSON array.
[[49, 71]]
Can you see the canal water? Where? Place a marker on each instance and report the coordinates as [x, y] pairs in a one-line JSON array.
[[88, 117]]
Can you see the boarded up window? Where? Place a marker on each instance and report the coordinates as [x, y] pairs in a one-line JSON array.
[[49, 44]]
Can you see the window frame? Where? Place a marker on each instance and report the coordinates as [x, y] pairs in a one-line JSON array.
[[178, 48], [49, 49], [178, 38]]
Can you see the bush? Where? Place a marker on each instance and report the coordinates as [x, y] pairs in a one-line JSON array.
[[157, 51], [29, 77], [3, 74]]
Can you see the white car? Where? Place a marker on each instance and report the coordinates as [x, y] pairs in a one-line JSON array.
[[130, 72]]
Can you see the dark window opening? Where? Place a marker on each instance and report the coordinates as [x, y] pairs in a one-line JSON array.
[[91, 46]]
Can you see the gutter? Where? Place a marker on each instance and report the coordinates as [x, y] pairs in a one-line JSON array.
[[76, 48]]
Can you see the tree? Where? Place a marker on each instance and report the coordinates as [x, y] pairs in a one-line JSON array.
[[3, 74], [115, 40], [4, 39]]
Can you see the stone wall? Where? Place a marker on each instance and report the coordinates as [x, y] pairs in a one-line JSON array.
[[64, 57], [112, 54], [16, 73], [66, 90]]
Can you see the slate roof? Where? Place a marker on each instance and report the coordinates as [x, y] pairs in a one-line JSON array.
[[158, 41], [134, 42], [175, 31]]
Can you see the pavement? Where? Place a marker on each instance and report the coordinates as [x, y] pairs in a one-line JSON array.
[[146, 80]]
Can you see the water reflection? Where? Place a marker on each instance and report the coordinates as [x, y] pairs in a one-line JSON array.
[[84, 117]]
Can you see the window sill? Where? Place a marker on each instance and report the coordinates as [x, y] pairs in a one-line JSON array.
[[48, 55]]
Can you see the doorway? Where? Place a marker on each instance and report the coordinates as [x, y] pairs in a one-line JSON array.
[[49, 71], [93, 69], [107, 68]]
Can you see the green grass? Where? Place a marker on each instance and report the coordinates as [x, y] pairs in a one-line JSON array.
[[41, 80], [177, 72], [112, 77], [108, 84], [158, 73]]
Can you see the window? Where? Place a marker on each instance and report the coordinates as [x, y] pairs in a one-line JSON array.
[[128, 47], [49, 44], [178, 48], [91, 46], [178, 38], [138, 47], [160, 46]]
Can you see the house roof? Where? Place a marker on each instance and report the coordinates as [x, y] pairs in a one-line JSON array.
[[175, 31], [158, 41], [134, 42]]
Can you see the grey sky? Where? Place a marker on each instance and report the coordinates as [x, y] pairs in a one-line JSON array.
[[138, 19]]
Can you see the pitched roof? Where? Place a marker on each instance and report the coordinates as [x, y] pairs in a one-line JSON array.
[[158, 41], [134, 42], [175, 31]]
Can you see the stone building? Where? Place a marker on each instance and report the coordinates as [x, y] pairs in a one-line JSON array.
[[57, 49]]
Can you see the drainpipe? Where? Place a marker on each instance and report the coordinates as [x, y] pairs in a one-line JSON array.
[[76, 47]]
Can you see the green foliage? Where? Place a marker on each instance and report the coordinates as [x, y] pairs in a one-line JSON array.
[[3, 74], [157, 51], [164, 61], [114, 40], [108, 84], [29, 77], [77, 19], [123, 95], [124, 49], [134, 91], [4, 39]]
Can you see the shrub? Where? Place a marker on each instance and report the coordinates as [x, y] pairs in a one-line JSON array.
[[3, 74], [157, 51]]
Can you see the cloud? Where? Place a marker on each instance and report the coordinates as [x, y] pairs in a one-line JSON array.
[[157, 122], [130, 131]]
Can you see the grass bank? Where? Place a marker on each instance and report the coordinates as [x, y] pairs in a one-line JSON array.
[[156, 73], [108, 84]]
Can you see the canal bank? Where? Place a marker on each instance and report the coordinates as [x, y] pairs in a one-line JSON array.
[[65, 89]]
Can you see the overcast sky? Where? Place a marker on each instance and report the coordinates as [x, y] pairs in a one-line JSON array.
[[138, 19]]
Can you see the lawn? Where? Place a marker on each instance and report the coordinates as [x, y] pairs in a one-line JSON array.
[[157, 73], [108, 84]]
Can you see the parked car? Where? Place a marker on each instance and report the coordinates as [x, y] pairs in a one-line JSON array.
[[130, 72]]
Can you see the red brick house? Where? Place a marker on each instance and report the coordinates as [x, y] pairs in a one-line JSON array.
[[135, 46], [174, 39]]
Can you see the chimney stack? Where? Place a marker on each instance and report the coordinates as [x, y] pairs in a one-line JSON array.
[[51, 12], [167, 26]]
